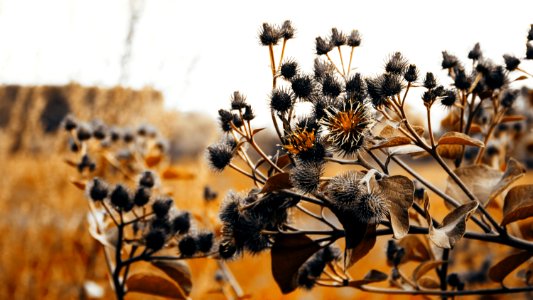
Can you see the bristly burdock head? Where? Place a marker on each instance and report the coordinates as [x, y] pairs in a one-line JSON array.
[[321, 68], [411, 74], [509, 97], [449, 61], [305, 176], [462, 81], [289, 69], [98, 189], [396, 64], [322, 46], [449, 98], [511, 62], [374, 91], [475, 53], [299, 140], [354, 39], [346, 128], [162, 206], [142, 196], [181, 223], [281, 100], [187, 246], [345, 187], [238, 101], [391, 84], [311, 270], [83, 132], [121, 199], [356, 89], [338, 38], [430, 81], [331, 87], [269, 34], [497, 78], [302, 86], [147, 179], [287, 30], [219, 155]]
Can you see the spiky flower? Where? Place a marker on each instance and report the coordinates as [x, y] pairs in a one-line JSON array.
[[346, 127], [300, 140], [306, 176]]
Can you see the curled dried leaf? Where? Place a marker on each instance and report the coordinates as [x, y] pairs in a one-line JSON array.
[[415, 249], [450, 151], [458, 138], [153, 284], [518, 204], [453, 226], [425, 267], [178, 271], [513, 171], [288, 254], [393, 142], [370, 277], [361, 248], [427, 282], [399, 192], [499, 271], [277, 182]]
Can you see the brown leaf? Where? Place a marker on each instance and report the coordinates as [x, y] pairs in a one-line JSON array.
[[393, 142], [425, 267], [499, 271], [399, 192], [523, 77], [288, 254], [518, 204], [453, 226], [415, 249], [173, 173], [277, 182], [152, 284], [513, 171], [355, 253], [479, 179], [512, 118], [475, 128], [256, 131], [153, 160], [79, 184], [388, 132], [283, 161], [178, 271], [450, 151], [427, 282], [370, 277], [458, 138]]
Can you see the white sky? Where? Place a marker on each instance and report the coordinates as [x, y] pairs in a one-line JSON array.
[[199, 52]]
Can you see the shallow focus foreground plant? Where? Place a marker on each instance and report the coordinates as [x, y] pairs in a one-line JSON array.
[[363, 122], [135, 219]]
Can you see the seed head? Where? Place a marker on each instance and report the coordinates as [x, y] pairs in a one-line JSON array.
[[322, 68], [305, 176], [302, 86], [142, 196], [311, 270], [98, 189], [238, 101], [204, 242], [509, 97], [121, 199], [354, 39], [225, 117], [411, 75], [155, 239], [187, 246], [530, 33], [346, 127], [69, 123], [338, 38], [396, 64], [449, 61], [162, 206], [289, 69], [86, 163], [322, 46], [181, 223], [287, 30], [147, 179], [300, 140], [511, 62], [375, 92], [345, 188], [391, 84], [331, 87], [529, 50], [475, 53], [281, 100], [430, 81], [83, 132], [497, 78], [356, 88], [219, 156], [269, 35], [449, 99], [248, 114], [462, 81]]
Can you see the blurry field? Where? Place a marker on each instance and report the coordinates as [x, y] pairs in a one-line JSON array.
[[45, 250]]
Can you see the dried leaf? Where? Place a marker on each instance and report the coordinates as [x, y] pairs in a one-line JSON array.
[[173, 173], [479, 179], [277, 182], [393, 142], [453, 226], [283, 161], [288, 254], [518, 204], [415, 249], [458, 138], [80, 184], [499, 271], [512, 118], [475, 128], [149, 283], [513, 171], [178, 271], [370, 277], [388, 132], [425, 267], [427, 282], [450, 151], [354, 253], [256, 131], [523, 77], [406, 149], [399, 192], [153, 160]]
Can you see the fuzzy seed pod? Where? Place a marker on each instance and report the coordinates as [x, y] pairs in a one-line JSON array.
[[98, 190], [306, 176], [161, 207], [219, 156], [155, 239], [187, 246]]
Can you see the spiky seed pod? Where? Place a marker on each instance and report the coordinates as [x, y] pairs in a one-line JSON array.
[[529, 50], [396, 64], [475, 53], [86, 163], [204, 242], [225, 117], [300, 140], [238, 101], [162, 206], [331, 87], [187, 246], [281, 100], [354, 39], [227, 249], [430, 81], [114, 134], [83, 132], [305, 176], [219, 156], [69, 123], [484, 66], [302, 86], [321, 68], [338, 38], [287, 30], [356, 88], [269, 35], [99, 131], [530, 33], [147, 179], [374, 91], [322, 46], [511, 62], [162, 224], [311, 270], [391, 84], [509, 97], [289, 69], [411, 75], [345, 187], [449, 99], [449, 61], [462, 81], [155, 239], [98, 189], [371, 208], [497, 78], [248, 114], [142, 196], [121, 199], [347, 127], [181, 223]]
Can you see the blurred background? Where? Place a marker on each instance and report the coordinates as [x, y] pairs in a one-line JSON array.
[[173, 64]]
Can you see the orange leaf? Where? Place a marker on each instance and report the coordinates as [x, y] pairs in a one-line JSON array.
[[79, 184], [512, 118], [152, 284], [175, 173], [499, 271], [393, 141], [177, 271], [276, 182], [518, 204], [458, 138]]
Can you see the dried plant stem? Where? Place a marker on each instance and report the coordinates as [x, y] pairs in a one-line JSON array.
[[350, 62], [282, 54], [231, 279], [494, 291], [430, 130], [342, 61], [334, 65]]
